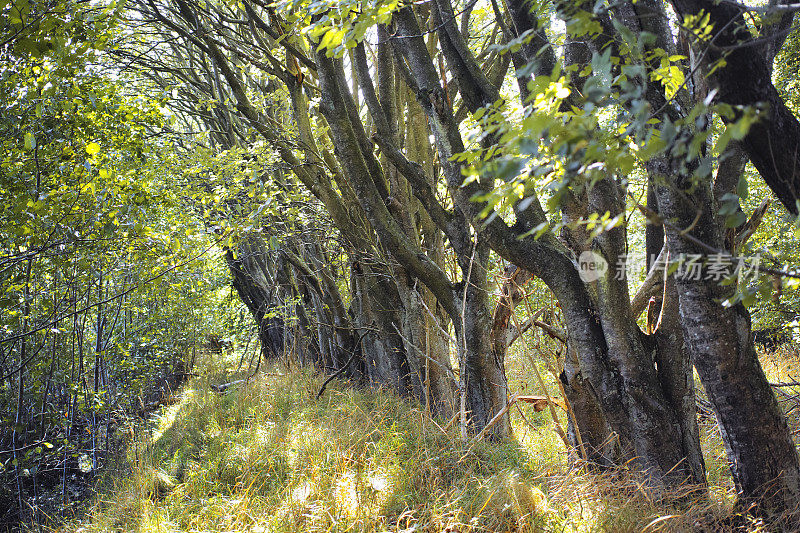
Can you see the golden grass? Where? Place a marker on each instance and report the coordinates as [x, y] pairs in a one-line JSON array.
[[266, 456]]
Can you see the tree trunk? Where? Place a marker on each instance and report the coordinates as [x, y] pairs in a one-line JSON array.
[[483, 378], [673, 362], [250, 279], [762, 455], [676, 375], [363, 171], [773, 141], [376, 307]]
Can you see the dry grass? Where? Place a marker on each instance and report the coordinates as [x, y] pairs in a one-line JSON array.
[[265, 456], [782, 366]]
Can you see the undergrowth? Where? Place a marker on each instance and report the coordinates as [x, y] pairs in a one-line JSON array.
[[267, 456]]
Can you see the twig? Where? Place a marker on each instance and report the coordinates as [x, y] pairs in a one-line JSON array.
[[654, 218], [550, 403], [786, 384], [463, 373], [686, 231], [426, 356], [486, 428], [347, 364]]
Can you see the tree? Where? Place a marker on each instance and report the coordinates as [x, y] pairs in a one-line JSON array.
[[103, 285], [546, 182]]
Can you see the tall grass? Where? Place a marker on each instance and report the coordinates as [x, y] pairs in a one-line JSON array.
[[266, 456]]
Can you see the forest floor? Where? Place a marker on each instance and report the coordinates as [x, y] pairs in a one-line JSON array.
[[265, 455]]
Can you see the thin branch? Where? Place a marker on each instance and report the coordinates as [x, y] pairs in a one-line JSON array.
[[119, 295]]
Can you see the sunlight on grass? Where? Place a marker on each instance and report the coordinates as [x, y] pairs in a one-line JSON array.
[[167, 418], [267, 456]]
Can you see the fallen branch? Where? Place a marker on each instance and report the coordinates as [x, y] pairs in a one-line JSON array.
[[219, 389]]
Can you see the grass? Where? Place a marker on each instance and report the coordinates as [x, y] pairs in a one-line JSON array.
[[266, 456]]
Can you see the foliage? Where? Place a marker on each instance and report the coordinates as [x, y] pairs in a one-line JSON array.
[[149, 152], [105, 287]]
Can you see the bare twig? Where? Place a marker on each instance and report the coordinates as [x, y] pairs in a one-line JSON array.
[[344, 367]]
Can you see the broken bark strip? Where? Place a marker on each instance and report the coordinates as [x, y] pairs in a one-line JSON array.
[[540, 403], [511, 294]]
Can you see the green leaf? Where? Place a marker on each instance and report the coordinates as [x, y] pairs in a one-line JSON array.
[[30, 141], [735, 220], [741, 187]]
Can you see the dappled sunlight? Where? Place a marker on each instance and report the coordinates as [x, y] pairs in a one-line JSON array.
[[365, 459], [297, 442], [167, 418], [345, 495], [265, 457], [301, 492], [379, 483]]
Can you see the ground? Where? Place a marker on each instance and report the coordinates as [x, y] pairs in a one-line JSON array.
[[266, 456]]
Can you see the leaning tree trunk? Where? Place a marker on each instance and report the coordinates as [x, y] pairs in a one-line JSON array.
[[772, 141], [252, 281], [670, 352], [425, 324], [605, 337], [428, 357], [762, 455], [304, 301], [376, 306], [484, 395]]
